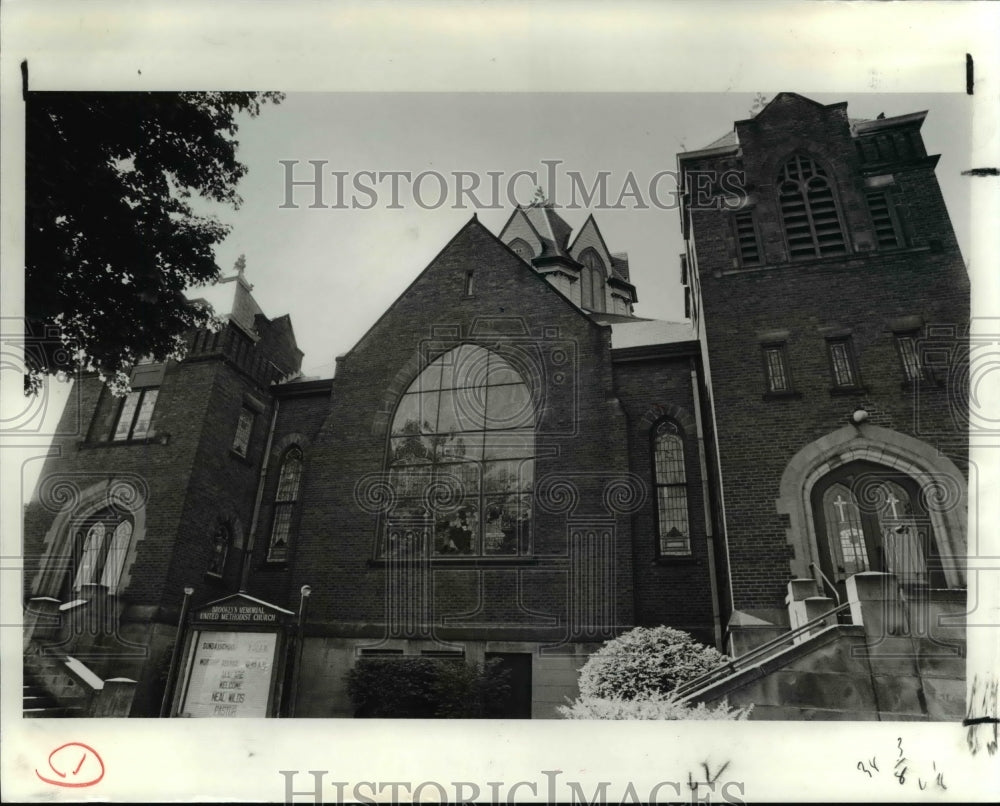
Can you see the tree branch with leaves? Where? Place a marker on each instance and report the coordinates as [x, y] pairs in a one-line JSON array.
[[113, 239]]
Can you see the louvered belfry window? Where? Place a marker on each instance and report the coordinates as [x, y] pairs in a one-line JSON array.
[[746, 237], [885, 229], [809, 211]]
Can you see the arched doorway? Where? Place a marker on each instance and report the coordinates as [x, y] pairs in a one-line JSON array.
[[935, 487], [869, 517]]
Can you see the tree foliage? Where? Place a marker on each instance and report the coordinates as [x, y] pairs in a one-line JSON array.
[[427, 688], [112, 237], [645, 661]]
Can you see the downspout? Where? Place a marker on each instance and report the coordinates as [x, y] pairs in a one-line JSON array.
[[252, 536], [707, 507]]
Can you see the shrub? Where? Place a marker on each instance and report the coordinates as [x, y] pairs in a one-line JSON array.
[[645, 661], [427, 688], [652, 706]]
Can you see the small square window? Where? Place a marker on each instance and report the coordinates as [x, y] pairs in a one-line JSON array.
[[244, 427]]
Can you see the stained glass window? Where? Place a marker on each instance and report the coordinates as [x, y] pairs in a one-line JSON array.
[[845, 531], [912, 367], [221, 541], [135, 415], [903, 535], [775, 369], [461, 458], [671, 490], [100, 550], [285, 498], [842, 362], [244, 427]]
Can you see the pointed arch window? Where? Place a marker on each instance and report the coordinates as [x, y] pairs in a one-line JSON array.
[[592, 281], [809, 211], [671, 490], [461, 459], [222, 539], [285, 499], [98, 551]]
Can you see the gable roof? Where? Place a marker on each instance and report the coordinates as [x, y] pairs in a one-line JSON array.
[[730, 138], [551, 229], [472, 225]]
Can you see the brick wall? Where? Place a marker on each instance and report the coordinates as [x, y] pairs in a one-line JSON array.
[[860, 294], [580, 437]]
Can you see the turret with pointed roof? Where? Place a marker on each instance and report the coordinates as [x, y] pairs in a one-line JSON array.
[[583, 269]]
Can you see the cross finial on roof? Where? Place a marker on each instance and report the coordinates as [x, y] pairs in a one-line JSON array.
[[241, 264], [539, 200]]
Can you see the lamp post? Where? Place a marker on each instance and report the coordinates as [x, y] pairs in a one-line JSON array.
[[175, 654], [304, 593]]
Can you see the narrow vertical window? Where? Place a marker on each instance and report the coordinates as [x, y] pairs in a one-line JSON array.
[[671, 490], [843, 369], [244, 427], [469, 283], [883, 219], [746, 238], [289, 479], [776, 369], [99, 551], [913, 369], [592, 281], [221, 541]]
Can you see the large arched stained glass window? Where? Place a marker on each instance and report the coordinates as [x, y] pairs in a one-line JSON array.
[[461, 459], [809, 211]]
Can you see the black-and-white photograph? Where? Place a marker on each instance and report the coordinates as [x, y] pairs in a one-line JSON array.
[[415, 413]]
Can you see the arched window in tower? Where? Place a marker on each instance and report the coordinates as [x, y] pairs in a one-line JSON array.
[[98, 551], [461, 459], [222, 539], [592, 281], [671, 490], [809, 211], [285, 498], [522, 249]]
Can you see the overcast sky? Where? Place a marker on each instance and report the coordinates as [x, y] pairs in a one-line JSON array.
[[336, 270]]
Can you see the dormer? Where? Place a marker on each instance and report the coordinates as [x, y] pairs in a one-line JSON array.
[[604, 279]]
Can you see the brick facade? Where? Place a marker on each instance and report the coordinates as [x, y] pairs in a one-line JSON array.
[[588, 561], [862, 294]]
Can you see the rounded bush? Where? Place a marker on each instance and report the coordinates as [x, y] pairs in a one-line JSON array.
[[645, 661]]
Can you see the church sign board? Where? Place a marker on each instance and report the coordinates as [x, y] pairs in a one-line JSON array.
[[234, 659]]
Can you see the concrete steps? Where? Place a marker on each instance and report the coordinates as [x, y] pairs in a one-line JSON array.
[[38, 703]]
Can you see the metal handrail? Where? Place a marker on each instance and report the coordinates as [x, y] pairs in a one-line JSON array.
[[736, 664], [829, 584]]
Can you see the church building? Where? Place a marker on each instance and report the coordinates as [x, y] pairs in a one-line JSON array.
[[511, 465]]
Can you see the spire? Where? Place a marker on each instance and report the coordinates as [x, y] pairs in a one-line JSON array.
[[241, 266]]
